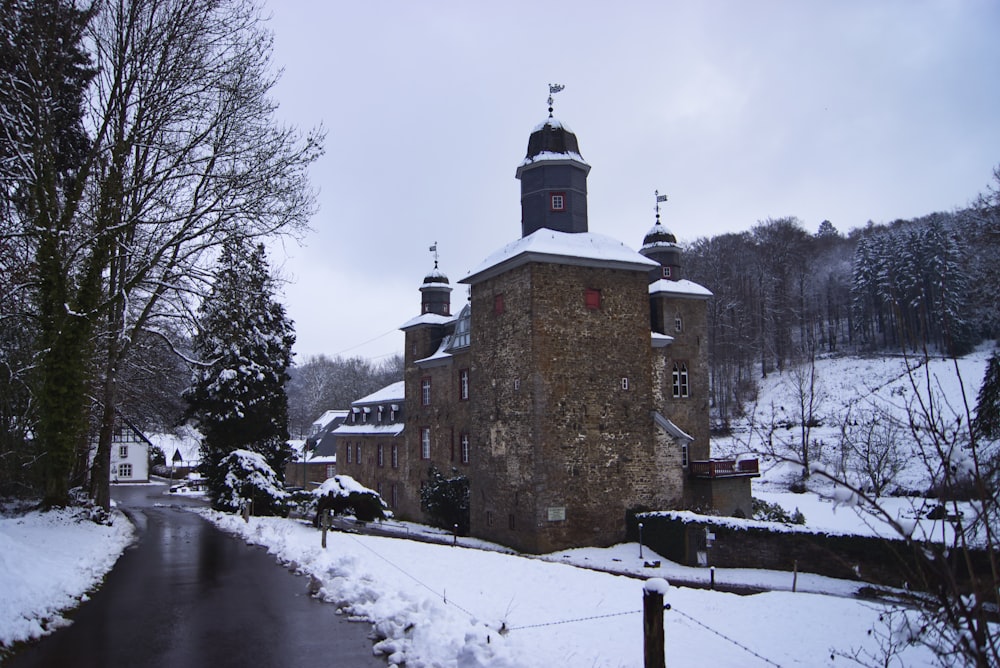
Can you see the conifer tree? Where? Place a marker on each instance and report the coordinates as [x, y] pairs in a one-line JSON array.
[[987, 421], [245, 342]]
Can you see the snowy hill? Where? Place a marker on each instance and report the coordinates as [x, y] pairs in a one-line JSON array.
[[862, 409]]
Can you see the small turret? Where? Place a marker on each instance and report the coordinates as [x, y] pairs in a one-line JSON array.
[[435, 292], [661, 245]]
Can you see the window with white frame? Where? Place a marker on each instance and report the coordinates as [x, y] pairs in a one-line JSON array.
[[123, 451], [684, 455], [465, 448], [425, 391], [124, 470], [463, 385], [678, 323], [380, 454], [357, 453], [425, 442], [350, 453], [679, 378], [331, 470], [395, 456], [558, 201]]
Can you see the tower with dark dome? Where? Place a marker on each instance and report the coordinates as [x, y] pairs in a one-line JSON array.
[[553, 179], [661, 245], [435, 293]]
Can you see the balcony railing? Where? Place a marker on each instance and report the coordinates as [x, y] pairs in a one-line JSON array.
[[724, 468]]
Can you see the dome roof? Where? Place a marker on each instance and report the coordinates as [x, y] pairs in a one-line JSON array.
[[552, 136], [435, 276], [659, 236]]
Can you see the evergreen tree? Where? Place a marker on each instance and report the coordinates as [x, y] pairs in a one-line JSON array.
[[987, 421], [245, 340], [44, 74]]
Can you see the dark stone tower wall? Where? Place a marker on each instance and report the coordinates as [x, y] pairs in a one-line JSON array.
[[539, 183]]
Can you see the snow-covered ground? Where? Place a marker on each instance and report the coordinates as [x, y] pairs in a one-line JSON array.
[[438, 605], [48, 563]]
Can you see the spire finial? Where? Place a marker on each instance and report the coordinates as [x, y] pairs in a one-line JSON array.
[[553, 89], [434, 249], [659, 198]]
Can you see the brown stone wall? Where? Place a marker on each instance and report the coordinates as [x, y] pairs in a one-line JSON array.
[[447, 416], [567, 448], [691, 346]]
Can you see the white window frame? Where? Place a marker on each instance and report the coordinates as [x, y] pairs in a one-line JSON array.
[[425, 443], [465, 448]]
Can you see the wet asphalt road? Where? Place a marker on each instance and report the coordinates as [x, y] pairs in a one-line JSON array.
[[189, 595]]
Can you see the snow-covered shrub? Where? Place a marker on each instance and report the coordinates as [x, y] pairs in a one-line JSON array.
[[446, 500], [248, 478], [772, 512], [344, 495]]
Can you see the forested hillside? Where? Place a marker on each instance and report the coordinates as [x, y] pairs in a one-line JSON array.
[[784, 294]]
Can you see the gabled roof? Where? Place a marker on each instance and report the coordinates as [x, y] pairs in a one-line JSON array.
[[393, 392], [586, 249]]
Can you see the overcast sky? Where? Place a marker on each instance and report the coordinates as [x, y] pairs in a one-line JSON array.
[[740, 111]]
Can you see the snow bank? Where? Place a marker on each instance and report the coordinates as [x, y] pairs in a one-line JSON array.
[[436, 605], [48, 563]]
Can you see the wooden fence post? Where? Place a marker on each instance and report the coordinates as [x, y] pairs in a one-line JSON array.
[[325, 523], [652, 622]]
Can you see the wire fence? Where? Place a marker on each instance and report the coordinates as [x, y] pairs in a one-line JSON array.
[[504, 629]]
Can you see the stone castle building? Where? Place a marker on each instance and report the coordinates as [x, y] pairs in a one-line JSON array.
[[571, 389]]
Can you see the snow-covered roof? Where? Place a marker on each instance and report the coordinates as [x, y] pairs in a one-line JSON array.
[[672, 429], [681, 287], [427, 319], [586, 249], [186, 442], [329, 416], [550, 155], [661, 340], [391, 429], [393, 392]]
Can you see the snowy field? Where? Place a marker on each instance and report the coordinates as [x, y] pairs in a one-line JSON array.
[[437, 605], [48, 564]]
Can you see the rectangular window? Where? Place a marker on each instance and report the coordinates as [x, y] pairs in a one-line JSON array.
[[378, 417], [517, 384], [357, 453], [380, 454], [666, 272], [395, 456], [679, 380], [465, 448], [625, 383], [393, 412], [592, 299], [350, 453], [365, 412], [425, 391], [425, 442], [331, 470], [489, 518], [123, 451], [684, 455], [678, 324], [498, 305], [558, 201], [124, 470], [463, 385]]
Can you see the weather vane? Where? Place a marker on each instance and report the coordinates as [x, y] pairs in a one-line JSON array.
[[659, 198], [553, 89], [434, 249]]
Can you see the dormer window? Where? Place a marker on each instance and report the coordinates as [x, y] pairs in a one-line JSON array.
[[558, 201]]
